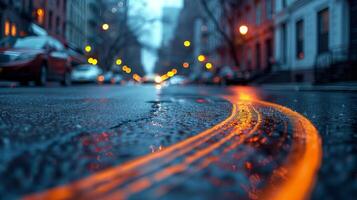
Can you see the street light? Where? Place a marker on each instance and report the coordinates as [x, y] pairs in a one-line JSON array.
[[209, 66], [90, 60], [187, 43], [88, 48], [118, 61], [201, 58], [186, 65], [243, 30], [170, 74], [95, 62], [105, 26]]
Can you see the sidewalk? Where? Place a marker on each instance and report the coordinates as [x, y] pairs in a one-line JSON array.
[[342, 87]]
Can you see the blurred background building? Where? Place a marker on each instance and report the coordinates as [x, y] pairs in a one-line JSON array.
[[286, 40], [76, 23], [311, 35]]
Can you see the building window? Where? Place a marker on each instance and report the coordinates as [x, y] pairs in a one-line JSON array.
[[323, 30], [300, 39], [283, 43], [258, 55], [13, 30], [283, 3], [64, 29], [269, 9], [50, 16], [58, 26], [40, 13], [258, 14], [269, 54], [7, 26]]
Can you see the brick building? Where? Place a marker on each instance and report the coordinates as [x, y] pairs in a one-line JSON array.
[[15, 17], [51, 15], [256, 48]]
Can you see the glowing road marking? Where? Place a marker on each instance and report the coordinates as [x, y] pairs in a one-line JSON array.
[[302, 172], [134, 176], [71, 190]]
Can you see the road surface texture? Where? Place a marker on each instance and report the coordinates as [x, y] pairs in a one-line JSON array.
[[142, 142]]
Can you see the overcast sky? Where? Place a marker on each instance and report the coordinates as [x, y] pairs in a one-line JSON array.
[[153, 31]]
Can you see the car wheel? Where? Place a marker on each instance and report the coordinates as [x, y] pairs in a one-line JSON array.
[[66, 79], [42, 76]]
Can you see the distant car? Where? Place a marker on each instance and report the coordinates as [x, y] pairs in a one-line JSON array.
[[110, 78], [178, 80], [151, 79], [34, 58], [116, 79], [86, 73]]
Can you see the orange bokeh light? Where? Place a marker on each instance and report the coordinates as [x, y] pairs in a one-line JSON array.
[[13, 30], [7, 28], [186, 65]]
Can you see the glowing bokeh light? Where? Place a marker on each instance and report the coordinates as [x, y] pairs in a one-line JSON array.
[[105, 27], [209, 66], [88, 48], [187, 43], [243, 29], [201, 58]]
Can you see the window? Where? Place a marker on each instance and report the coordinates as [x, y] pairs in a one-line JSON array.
[[269, 9], [50, 15], [58, 26], [283, 43], [269, 53], [64, 29], [7, 26], [323, 30], [13, 30], [258, 55], [258, 14], [300, 39], [283, 3]]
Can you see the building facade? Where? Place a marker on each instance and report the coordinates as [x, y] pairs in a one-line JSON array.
[[77, 23], [175, 54], [15, 17], [255, 49], [310, 35], [52, 16]]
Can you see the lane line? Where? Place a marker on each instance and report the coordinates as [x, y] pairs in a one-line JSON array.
[[71, 190], [301, 172], [178, 168]]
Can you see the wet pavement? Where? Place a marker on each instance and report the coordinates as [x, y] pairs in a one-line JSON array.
[[54, 136]]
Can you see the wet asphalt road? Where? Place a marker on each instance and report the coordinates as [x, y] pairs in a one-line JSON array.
[[52, 136]]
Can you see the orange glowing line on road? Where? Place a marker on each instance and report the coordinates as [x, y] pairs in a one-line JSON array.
[[174, 169], [68, 191], [300, 172]]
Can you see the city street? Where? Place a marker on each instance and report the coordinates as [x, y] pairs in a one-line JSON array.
[[176, 142]]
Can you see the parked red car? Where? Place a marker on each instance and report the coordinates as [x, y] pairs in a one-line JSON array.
[[34, 58]]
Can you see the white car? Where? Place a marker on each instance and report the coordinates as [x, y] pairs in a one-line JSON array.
[[178, 80], [86, 73]]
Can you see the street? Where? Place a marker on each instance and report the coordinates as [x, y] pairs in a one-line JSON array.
[[176, 142]]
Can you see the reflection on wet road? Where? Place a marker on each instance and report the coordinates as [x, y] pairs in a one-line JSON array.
[[262, 150]]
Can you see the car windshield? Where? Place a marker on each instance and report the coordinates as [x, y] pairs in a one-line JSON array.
[[27, 42], [85, 68], [30, 42]]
